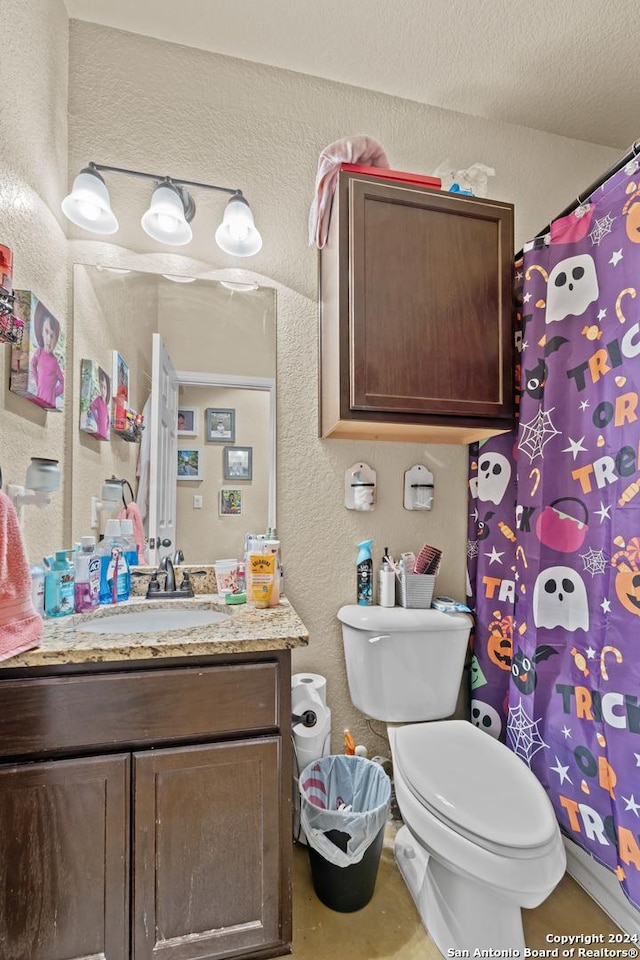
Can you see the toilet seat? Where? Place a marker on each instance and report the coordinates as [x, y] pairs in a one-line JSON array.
[[477, 787]]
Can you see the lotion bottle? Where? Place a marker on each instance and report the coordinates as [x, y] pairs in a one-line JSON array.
[[59, 587], [364, 567], [386, 584]]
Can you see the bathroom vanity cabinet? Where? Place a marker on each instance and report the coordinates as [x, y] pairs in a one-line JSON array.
[[145, 809], [416, 338]]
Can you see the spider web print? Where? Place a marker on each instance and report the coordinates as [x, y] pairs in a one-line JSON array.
[[600, 229], [472, 548], [594, 561], [523, 734], [537, 433]]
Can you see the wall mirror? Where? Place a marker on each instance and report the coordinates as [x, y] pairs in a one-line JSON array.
[[221, 339]]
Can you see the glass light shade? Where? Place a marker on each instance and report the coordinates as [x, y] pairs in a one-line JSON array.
[[178, 279], [237, 233], [88, 205], [165, 219], [111, 491], [42, 474]]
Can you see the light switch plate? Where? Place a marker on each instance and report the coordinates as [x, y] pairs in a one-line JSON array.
[[197, 502]]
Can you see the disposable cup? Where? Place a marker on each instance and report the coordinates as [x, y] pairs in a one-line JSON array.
[[226, 576]]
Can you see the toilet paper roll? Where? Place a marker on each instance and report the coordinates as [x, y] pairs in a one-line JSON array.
[[322, 714], [309, 685]]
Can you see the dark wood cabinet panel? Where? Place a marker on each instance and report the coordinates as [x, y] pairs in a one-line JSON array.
[[207, 837], [180, 853], [64, 860], [138, 706], [416, 318]]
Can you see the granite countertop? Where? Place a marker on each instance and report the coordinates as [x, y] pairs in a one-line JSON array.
[[245, 628]]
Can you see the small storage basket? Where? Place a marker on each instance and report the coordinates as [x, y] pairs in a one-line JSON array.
[[415, 590]]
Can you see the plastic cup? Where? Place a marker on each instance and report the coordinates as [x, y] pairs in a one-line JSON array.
[[226, 576]]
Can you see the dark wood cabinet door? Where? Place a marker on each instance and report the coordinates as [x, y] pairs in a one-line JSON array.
[[430, 302], [64, 867], [416, 319], [208, 878]]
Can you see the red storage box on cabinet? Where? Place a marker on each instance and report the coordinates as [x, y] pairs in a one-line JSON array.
[[387, 174]]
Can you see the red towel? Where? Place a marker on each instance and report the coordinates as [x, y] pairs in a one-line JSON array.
[[20, 625], [359, 149]]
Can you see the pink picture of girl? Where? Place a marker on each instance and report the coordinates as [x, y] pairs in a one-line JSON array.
[[44, 369], [95, 396], [99, 409]]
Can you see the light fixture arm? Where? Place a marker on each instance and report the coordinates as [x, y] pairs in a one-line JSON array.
[[163, 179]]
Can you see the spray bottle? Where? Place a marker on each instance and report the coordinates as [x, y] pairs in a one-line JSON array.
[[364, 565]]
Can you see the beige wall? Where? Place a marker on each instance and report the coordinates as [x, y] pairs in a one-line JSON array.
[[33, 180], [203, 535], [205, 117]]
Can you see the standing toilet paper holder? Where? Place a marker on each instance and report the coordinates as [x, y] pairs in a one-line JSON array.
[[360, 487]]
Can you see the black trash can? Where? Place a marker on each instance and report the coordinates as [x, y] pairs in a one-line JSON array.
[[344, 809]]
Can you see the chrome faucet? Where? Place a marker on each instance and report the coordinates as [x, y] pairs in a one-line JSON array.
[[170, 582]]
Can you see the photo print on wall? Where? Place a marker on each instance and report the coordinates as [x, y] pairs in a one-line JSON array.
[[37, 364], [188, 421], [190, 463], [230, 503], [220, 425], [95, 397]]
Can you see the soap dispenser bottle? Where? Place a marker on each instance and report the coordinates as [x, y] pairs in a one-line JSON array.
[[87, 576], [59, 587], [364, 565], [115, 578]]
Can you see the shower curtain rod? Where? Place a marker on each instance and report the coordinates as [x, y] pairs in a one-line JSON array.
[[632, 152]]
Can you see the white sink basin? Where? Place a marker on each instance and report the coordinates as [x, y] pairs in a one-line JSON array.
[[152, 621]]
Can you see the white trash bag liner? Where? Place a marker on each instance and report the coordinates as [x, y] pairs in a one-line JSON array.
[[346, 793]]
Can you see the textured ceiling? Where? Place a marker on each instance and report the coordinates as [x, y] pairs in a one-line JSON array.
[[569, 67]]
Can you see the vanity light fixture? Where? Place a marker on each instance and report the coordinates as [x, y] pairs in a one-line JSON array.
[[110, 498], [169, 215], [42, 478]]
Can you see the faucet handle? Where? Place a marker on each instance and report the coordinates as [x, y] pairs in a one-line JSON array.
[[186, 586], [154, 586]]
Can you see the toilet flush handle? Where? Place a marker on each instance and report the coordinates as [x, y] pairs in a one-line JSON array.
[[383, 636]]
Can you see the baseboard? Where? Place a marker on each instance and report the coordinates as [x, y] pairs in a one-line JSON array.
[[602, 886]]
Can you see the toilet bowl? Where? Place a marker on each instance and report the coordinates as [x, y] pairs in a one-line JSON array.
[[480, 839]]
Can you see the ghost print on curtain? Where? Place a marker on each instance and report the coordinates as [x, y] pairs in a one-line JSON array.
[[569, 705]]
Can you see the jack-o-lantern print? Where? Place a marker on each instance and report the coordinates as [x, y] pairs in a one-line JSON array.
[[631, 210], [500, 641], [627, 583]]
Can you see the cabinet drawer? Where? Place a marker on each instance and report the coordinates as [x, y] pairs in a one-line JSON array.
[[70, 713]]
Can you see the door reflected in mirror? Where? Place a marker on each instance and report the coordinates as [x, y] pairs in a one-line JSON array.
[[221, 341]]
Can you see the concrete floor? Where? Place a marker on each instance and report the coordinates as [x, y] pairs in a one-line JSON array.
[[389, 928]]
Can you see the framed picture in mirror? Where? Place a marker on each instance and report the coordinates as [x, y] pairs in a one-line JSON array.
[[230, 503], [190, 463], [188, 421], [220, 425], [237, 463]]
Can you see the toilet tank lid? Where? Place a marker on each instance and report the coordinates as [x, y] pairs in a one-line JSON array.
[[402, 620]]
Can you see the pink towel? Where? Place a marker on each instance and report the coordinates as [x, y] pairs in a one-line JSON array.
[[132, 512], [20, 625], [358, 149]]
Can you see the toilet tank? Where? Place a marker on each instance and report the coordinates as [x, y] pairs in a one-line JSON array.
[[404, 665]]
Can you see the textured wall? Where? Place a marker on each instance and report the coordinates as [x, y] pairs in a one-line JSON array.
[[205, 117], [33, 180]]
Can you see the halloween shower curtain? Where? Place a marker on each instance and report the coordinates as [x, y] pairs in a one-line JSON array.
[[554, 531]]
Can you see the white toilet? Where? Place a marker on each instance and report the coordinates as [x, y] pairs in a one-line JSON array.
[[480, 838]]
